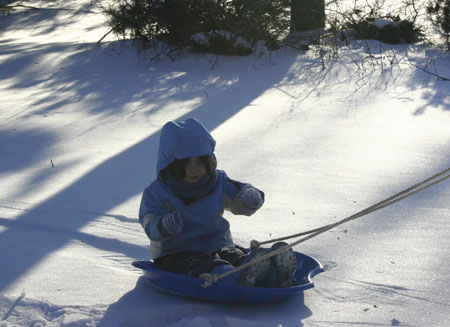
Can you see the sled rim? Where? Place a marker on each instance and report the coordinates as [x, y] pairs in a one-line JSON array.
[[191, 287]]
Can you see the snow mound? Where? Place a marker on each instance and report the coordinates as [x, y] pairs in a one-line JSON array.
[[35, 313]]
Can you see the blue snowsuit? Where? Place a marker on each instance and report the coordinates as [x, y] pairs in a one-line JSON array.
[[206, 233]]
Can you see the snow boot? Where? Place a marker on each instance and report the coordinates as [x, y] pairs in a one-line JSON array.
[[257, 272], [250, 276], [285, 264]]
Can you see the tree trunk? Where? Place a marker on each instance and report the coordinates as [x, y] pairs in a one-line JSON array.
[[307, 15]]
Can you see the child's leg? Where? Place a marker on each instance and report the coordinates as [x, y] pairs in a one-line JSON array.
[[190, 263], [235, 255], [193, 264]]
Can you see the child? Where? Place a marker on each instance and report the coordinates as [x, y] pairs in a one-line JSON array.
[[182, 213]]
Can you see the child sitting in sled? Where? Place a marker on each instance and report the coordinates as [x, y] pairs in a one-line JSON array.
[[182, 213]]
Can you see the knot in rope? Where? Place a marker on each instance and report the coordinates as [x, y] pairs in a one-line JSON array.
[[254, 244], [208, 279]]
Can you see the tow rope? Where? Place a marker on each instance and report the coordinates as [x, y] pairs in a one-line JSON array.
[[209, 279]]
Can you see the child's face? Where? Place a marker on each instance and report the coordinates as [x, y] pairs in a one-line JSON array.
[[195, 170]]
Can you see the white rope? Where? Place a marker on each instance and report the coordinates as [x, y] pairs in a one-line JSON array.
[[423, 185]]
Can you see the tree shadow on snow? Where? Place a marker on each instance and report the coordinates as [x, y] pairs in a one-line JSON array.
[[147, 306], [16, 151], [428, 75], [44, 18]]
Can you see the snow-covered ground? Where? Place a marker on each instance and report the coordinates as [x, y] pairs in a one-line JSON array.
[[79, 129]]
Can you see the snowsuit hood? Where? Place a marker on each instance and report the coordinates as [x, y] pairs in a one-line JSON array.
[[181, 140]]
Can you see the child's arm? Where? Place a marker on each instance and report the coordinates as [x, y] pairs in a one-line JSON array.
[[241, 198], [156, 219]]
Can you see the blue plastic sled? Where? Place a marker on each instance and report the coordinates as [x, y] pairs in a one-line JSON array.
[[307, 267]]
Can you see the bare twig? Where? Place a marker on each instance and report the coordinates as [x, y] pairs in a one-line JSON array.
[[302, 47], [215, 63], [109, 32], [158, 55], [439, 77]]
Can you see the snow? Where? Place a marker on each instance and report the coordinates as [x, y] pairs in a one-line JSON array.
[[79, 133], [203, 38], [380, 23]]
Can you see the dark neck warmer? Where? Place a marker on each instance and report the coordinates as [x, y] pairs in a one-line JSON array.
[[189, 191]]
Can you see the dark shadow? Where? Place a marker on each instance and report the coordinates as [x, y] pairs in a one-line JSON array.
[[21, 148], [51, 233], [44, 237], [24, 59], [128, 173], [431, 72], [427, 76], [147, 306]]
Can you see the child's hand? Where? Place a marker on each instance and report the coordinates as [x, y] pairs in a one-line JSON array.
[[172, 224], [251, 198]]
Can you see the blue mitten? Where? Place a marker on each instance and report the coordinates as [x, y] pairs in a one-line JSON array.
[[171, 224], [252, 199]]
